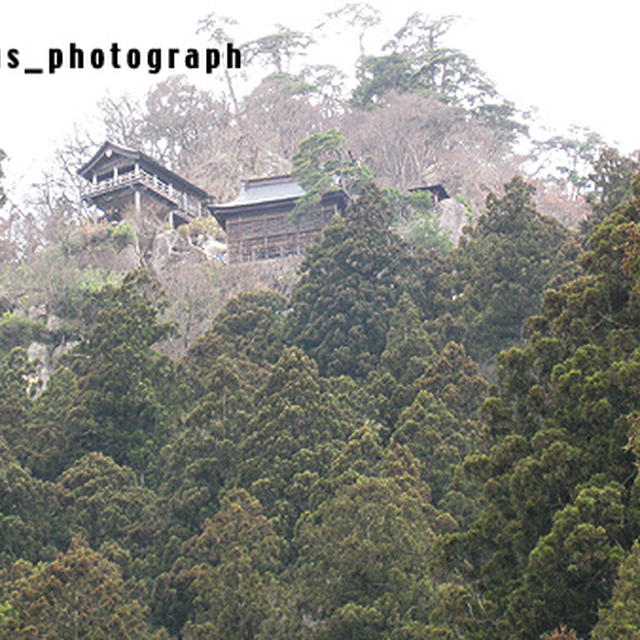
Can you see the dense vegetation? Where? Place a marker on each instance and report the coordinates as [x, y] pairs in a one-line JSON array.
[[333, 464], [405, 441]]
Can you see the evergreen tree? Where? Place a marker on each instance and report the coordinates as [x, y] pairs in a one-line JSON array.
[[365, 556], [223, 584], [442, 426], [501, 267], [408, 350], [611, 179], [115, 399], [248, 326], [103, 503], [351, 280], [79, 595], [192, 470], [15, 398], [620, 617], [572, 569], [559, 510], [292, 439], [27, 513], [61, 428]]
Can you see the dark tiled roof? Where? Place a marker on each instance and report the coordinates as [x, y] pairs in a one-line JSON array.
[[263, 190], [143, 158], [436, 189]]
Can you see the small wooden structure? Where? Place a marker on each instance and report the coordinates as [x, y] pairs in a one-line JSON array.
[[122, 178], [437, 191], [260, 223]]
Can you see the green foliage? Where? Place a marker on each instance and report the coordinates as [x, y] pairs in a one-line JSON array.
[[59, 279], [426, 231], [407, 346], [223, 584], [15, 398], [292, 439], [419, 63], [249, 326], [571, 569], [558, 516], [408, 350], [363, 569], [323, 165], [611, 180], [501, 267], [620, 618], [193, 469], [414, 220], [114, 395], [79, 595], [100, 235], [103, 503], [441, 426], [19, 331], [378, 75], [229, 362], [350, 282], [573, 153], [335, 465], [60, 428], [27, 510], [278, 48], [458, 197]]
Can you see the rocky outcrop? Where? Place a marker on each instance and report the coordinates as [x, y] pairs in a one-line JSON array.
[[454, 216]]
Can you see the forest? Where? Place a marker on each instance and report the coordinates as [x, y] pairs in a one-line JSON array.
[[413, 432]]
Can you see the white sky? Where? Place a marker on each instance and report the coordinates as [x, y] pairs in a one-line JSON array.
[[576, 61]]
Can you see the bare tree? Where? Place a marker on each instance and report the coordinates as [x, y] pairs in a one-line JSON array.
[[415, 140], [358, 16]]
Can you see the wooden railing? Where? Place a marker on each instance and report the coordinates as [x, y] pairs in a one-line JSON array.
[[152, 182]]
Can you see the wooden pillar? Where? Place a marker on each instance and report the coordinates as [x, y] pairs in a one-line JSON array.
[[115, 174], [137, 200]]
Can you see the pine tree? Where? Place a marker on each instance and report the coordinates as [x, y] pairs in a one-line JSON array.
[[620, 617]]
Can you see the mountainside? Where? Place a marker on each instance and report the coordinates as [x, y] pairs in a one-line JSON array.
[[396, 436]]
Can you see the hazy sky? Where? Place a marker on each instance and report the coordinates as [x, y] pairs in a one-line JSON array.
[[577, 62]]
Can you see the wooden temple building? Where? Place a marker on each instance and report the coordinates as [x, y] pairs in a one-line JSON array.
[[121, 179], [260, 223]]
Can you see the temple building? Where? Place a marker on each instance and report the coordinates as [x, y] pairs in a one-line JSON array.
[[122, 180], [260, 223]]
